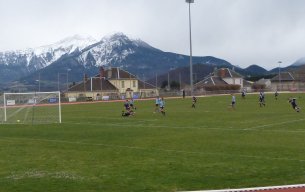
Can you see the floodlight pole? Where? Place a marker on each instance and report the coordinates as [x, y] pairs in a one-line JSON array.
[[39, 82], [191, 59], [68, 79], [280, 80], [58, 81], [4, 107]]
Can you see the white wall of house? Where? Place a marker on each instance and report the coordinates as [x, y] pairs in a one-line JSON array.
[[123, 84], [285, 86], [234, 81], [93, 94]]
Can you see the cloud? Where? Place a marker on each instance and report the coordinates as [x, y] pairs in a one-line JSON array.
[[244, 32]]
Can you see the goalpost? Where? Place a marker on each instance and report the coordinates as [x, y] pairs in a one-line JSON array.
[[31, 108]]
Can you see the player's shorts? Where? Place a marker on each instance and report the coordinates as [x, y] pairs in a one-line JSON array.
[[162, 107], [233, 103], [294, 106]]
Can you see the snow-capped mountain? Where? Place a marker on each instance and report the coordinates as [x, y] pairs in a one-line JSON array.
[[112, 50], [23, 62], [80, 56], [40, 57], [299, 62]]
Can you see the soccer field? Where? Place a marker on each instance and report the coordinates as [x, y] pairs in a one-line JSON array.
[[210, 147]]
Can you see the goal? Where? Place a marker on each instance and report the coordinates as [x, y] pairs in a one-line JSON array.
[[31, 108]]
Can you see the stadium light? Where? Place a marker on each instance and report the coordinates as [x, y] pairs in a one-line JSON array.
[[68, 78], [38, 80], [280, 83], [191, 59]]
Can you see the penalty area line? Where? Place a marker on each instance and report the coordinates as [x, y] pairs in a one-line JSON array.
[[123, 125], [274, 124]]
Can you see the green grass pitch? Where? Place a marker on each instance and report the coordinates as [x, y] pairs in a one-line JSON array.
[[210, 147]]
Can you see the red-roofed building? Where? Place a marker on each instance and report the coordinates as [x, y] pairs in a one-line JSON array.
[[113, 81], [221, 77]]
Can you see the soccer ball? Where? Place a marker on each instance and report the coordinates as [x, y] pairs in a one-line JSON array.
[[18, 121]]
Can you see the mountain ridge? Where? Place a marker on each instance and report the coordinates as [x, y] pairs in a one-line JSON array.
[[117, 50]]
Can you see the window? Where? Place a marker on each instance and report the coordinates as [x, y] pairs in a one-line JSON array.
[[123, 84], [134, 83]]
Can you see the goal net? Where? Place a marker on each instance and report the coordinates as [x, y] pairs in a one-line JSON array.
[[31, 108]]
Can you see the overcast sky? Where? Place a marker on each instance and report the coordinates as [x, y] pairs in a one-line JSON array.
[[243, 32]]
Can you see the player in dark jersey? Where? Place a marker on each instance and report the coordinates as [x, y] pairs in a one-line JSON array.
[[194, 100], [127, 113], [243, 94], [276, 94], [262, 99], [126, 105], [294, 105]]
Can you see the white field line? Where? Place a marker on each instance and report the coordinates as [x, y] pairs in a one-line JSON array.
[[256, 189], [113, 118], [121, 125], [274, 124], [153, 149]]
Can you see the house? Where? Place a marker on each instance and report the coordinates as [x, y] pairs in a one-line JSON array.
[[223, 78], [263, 83], [247, 85], [284, 81], [94, 88], [114, 83]]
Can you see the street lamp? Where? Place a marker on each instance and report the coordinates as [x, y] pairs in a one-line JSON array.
[[280, 83], [191, 62], [38, 80], [68, 78], [58, 81]]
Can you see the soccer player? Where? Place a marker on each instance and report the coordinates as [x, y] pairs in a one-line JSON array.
[[131, 104], [243, 94], [126, 105], [127, 113], [162, 106], [194, 102], [262, 99], [233, 101], [157, 103], [294, 105], [276, 94]]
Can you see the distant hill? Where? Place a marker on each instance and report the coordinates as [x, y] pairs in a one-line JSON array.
[[255, 70], [71, 58], [299, 62]]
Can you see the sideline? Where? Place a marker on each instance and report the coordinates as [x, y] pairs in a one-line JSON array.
[[280, 188]]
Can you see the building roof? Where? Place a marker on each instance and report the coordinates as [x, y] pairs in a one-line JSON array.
[[118, 73], [262, 81], [227, 73], [145, 85], [97, 85], [210, 80], [247, 83], [283, 76]]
